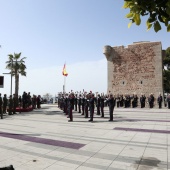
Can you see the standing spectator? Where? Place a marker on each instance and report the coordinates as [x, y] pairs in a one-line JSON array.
[[19, 101], [38, 102], [24, 98], [5, 102]]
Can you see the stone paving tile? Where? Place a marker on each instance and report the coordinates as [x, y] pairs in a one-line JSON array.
[[105, 148]]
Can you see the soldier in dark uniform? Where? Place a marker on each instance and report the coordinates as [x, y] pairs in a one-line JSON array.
[[62, 102], [5, 102], [75, 102], [128, 99], [121, 100], [98, 104], [160, 100], [91, 107], [111, 102], [70, 106], [10, 105], [125, 101], [79, 104], [82, 104], [102, 105], [1, 114], [86, 106], [65, 110], [15, 103], [118, 100], [168, 101], [151, 100], [134, 101], [142, 101]]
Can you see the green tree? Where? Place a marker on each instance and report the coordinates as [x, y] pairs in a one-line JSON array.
[[158, 11], [166, 71], [17, 66]]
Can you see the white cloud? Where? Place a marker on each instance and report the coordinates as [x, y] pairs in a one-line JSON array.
[[83, 75]]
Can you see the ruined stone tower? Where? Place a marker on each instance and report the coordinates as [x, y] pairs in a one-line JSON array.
[[135, 69]]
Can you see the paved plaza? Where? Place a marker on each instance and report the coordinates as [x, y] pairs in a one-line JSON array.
[[137, 139]]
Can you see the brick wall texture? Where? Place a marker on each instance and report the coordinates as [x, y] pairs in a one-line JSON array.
[[135, 69]]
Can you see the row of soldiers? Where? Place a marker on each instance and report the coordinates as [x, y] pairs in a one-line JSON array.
[[86, 103], [121, 100], [13, 102]]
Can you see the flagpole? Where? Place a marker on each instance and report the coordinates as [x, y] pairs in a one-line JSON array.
[[64, 84], [64, 74]]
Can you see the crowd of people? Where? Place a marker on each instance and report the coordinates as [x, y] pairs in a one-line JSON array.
[[85, 103], [11, 103]]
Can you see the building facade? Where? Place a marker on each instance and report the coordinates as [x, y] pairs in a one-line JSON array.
[[135, 69]]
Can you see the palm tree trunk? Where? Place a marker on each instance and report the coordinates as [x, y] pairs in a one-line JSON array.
[[16, 84]]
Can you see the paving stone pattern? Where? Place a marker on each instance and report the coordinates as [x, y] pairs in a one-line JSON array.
[[137, 139]]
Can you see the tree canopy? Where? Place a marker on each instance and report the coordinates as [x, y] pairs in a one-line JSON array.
[[166, 71], [17, 66], [158, 11]]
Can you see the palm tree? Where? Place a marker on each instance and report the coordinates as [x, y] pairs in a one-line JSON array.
[[17, 66]]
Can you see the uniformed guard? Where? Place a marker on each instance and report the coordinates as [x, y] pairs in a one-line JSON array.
[[142, 101], [15, 103], [65, 110], [10, 105], [118, 100], [79, 103], [75, 102], [151, 100], [160, 100], [70, 106], [82, 104], [102, 105], [91, 107], [134, 101], [121, 100], [111, 103], [86, 106], [98, 104], [168, 101]]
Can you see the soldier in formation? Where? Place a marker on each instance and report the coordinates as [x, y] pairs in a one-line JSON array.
[[87, 101]]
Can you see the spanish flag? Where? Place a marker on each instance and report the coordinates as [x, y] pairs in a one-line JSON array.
[[64, 71]]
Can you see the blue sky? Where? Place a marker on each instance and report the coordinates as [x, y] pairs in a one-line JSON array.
[[51, 32]]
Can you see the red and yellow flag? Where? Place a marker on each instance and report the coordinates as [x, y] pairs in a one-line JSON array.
[[64, 72]]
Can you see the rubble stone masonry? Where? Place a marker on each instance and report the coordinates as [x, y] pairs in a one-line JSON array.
[[135, 69]]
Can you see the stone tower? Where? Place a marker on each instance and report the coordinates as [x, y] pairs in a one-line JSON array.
[[135, 69]]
